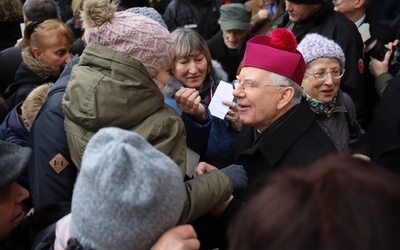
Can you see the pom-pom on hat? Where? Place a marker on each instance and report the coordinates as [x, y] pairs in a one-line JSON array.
[[314, 46], [133, 34], [276, 53], [127, 193]]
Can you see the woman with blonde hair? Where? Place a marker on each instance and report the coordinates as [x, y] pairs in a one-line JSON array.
[[46, 51]]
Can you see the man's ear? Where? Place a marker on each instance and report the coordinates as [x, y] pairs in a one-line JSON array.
[[359, 4], [285, 97]]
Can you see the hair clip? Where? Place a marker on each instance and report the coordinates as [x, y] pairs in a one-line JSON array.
[[32, 26]]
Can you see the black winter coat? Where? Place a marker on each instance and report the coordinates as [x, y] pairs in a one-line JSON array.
[[31, 73], [382, 140], [10, 60], [294, 140], [200, 15]]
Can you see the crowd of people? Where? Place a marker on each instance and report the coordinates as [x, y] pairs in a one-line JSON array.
[[110, 139]]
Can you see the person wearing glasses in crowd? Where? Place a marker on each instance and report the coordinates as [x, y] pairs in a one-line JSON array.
[[279, 128], [335, 111]]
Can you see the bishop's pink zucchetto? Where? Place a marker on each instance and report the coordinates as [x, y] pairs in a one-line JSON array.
[[276, 53]]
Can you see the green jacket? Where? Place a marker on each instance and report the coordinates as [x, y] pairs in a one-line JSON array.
[[108, 88]]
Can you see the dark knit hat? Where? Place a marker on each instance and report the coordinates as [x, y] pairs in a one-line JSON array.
[[127, 193], [306, 1], [276, 53], [13, 160]]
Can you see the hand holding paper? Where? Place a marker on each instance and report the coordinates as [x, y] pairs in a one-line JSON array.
[[223, 92]]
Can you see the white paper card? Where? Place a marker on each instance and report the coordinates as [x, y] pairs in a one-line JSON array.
[[224, 92], [364, 31]]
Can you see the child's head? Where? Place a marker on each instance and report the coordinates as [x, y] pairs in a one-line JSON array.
[[33, 102]]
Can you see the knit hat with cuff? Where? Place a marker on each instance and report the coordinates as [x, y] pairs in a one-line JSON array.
[[314, 46], [133, 34], [127, 193]]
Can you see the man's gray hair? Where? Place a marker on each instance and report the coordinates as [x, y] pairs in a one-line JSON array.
[[40, 10], [286, 81]]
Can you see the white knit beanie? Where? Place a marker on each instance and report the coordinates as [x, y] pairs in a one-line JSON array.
[[127, 193], [133, 34], [314, 46]]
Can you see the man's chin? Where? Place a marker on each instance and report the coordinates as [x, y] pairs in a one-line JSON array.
[[233, 46]]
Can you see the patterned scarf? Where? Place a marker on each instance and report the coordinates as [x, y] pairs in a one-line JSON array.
[[319, 107]]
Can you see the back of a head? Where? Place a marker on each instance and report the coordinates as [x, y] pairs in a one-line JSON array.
[[40, 10], [127, 193], [10, 11], [34, 101], [36, 33], [337, 203]]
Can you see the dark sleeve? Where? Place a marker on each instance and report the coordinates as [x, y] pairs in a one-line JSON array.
[[227, 156], [197, 133]]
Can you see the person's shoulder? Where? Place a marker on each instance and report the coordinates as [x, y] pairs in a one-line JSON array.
[[339, 18]]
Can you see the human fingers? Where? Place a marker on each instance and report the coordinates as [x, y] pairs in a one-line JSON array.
[[183, 94], [203, 168]]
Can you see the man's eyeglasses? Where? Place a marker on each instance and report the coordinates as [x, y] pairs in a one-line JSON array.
[[251, 84], [321, 75]]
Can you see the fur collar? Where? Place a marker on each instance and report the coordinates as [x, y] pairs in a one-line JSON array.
[[40, 68], [217, 73]]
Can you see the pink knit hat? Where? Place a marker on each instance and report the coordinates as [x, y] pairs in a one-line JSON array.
[[135, 35], [276, 53]]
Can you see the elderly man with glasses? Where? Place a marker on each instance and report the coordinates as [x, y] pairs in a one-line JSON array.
[[280, 129]]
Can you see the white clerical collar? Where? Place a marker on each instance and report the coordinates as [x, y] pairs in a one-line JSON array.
[[360, 21]]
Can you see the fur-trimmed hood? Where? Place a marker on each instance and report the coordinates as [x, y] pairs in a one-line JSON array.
[[217, 74], [40, 68]]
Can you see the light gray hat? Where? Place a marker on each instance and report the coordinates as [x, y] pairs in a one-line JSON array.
[[13, 160], [314, 46], [149, 12], [127, 193]]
